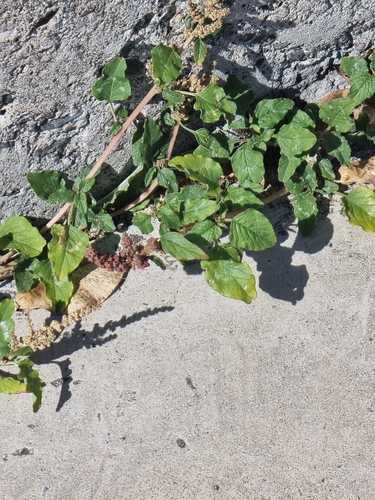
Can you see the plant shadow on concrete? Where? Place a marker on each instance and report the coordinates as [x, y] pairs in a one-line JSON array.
[[81, 338]]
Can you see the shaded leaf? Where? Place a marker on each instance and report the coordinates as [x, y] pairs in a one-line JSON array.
[[238, 94], [24, 274], [336, 145]]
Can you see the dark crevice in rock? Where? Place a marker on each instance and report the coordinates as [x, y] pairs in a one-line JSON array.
[[44, 20]]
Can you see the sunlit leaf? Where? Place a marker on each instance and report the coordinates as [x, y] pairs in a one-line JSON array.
[[270, 112], [166, 64], [16, 233], [112, 85], [252, 230], [359, 206], [181, 248], [295, 140], [66, 249], [201, 169]]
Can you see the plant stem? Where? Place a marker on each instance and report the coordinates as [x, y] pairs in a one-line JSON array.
[[154, 90], [154, 184], [113, 112]]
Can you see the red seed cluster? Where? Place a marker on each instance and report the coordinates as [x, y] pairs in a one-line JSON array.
[[133, 256]]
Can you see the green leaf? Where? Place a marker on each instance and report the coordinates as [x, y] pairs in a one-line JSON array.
[[121, 114], [215, 146], [238, 197], [359, 207], [248, 164], [295, 140], [172, 96], [150, 176], [59, 292], [252, 230], [362, 86], [9, 385], [351, 65], [302, 119], [101, 220], [80, 201], [337, 114], [197, 210], [81, 183], [308, 175], [24, 274], [7, 325], [66, 249], [326, 169], [238, 94], [231, 279], [49, 186], [336, 145], [287, 167], [115, 129], [148, 142], [204, 233], [200, 51], [113, 85], [157, 261], [143, 222], [212, 103], [194, 192], [169, 217], [128, 189], [201, 169], [180, 248], [166, 65], [16, 233], [33, 382], [305, 210], [167, 179], [269, 112], [328, 187]]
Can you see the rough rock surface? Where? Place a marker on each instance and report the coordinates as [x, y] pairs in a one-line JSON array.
[[52, 52]]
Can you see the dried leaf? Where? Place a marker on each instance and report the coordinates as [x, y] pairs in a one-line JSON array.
[[359, 172], [365, 108], [93, 286], [334, 95]]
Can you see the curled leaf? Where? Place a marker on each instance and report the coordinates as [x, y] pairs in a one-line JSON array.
[[358, 172]]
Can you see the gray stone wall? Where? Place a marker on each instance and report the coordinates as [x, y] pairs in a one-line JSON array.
[[53, 50]]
